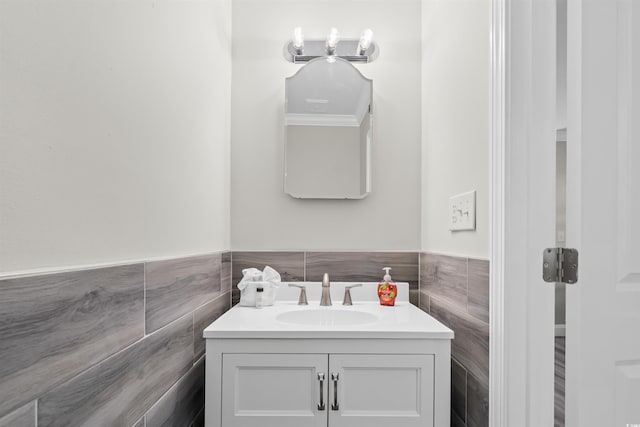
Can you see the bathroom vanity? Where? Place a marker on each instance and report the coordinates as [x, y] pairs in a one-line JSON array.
[[290, 365]]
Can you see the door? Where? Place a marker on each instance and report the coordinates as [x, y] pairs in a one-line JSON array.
[[274, 390], [381, 390], [603, 213]]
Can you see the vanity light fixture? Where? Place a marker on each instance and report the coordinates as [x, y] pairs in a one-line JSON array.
[[365, 41], [298, 41], [298, 50], [332, 41]]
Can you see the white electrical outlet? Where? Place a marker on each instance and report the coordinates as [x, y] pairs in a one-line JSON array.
[[462, 211]]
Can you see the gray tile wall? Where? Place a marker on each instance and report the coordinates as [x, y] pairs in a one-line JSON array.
[[75, 350], [59, 365], [455, 290], [341, 266], [177, 287], [23, 417], [182, 403], [55, 326]]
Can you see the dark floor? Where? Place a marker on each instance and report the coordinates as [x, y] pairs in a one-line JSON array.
[[559, 382]]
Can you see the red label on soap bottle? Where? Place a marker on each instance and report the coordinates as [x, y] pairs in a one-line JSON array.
[[387, 293]]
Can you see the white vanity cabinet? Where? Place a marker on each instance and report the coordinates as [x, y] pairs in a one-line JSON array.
[[363, 365], [365, 382], [345, 390]]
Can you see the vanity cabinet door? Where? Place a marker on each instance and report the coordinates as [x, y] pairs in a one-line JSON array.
[[274, 390], [381, 390]]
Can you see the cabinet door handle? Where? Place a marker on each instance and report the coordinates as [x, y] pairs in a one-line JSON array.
[[321, 379], [335, 377]]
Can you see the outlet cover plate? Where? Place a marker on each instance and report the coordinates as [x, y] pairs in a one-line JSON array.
[[462, 211]]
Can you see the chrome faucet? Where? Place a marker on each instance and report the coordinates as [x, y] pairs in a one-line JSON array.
[[326, 290]]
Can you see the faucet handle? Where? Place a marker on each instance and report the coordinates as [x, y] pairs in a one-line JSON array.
[[347, 293], [302, 300]]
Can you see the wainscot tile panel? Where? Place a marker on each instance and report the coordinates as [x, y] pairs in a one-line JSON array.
[[290, 265], [203, 317], [456, 291], [444, 277], [176, 287], [199, 421], [365, 266], [459, 390], [225, 272], [121, 389], [55, 326], [477, 403], [22, 417], [456, 421], [470, 346], [181, 404], [424, 301], [479, 289]]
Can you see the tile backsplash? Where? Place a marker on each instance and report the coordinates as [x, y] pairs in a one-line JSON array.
[[117, 345], [341, 266]]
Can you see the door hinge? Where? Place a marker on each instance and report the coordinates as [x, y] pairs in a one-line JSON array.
[[560, 265]]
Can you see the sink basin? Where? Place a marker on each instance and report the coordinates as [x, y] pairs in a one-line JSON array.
[[326, 317]]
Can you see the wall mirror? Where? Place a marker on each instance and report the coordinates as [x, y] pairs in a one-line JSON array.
[[328, 131]]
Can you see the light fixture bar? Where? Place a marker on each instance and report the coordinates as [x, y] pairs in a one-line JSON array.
[[363, 50]]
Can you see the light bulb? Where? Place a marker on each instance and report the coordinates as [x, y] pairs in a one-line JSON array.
[[298, 40], [332, 41], [365, 41]]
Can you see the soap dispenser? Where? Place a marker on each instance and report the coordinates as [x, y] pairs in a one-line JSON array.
[[387, 290]]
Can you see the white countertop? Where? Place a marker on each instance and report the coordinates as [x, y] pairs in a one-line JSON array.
[[402, 321]]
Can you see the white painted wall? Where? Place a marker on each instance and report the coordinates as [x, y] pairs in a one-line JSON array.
[[263, 216], [115, 128], [455, 121], [114, 131]]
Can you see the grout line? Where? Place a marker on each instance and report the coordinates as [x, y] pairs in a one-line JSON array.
[[193, 335], [230, 271], [204, 355], [217, 297], [419, 280], [466, 394], [467, 275], [35, 413], [144, 299]]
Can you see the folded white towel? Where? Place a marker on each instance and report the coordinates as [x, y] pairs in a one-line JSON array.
[[252, 278]]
